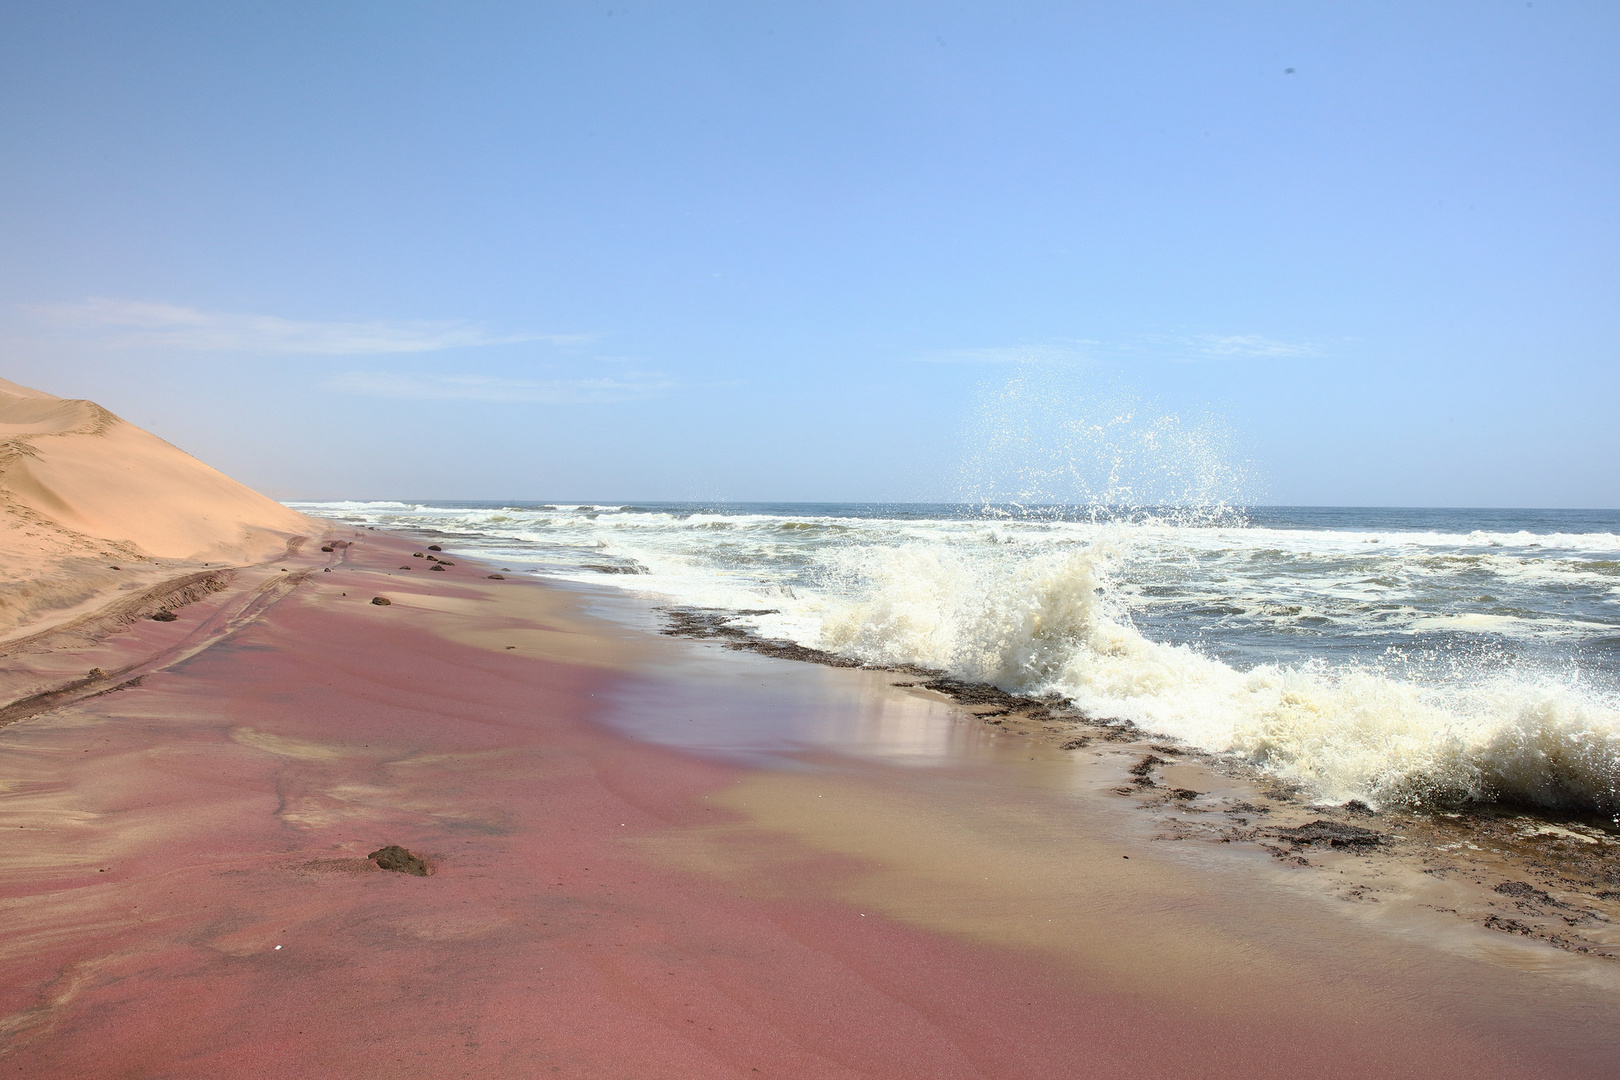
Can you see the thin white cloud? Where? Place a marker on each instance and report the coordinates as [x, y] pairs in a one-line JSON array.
[[1249, 345], [1163, 346], [1069, 353], [418, 387], [137, 324]]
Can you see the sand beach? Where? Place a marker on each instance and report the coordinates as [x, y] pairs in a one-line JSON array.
[[641, 855]]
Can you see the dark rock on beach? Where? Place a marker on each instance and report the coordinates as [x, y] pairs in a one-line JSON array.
[[1145, 766], [1523, 890], [708, 623], [395, 858], [1143, 770], [1332, 833], [989, 701], [381, 601]]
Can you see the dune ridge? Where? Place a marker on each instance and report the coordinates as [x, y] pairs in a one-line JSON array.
[[91, 504]]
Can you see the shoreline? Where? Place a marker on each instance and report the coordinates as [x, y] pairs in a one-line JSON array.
[[1572, 900], [608, 905]]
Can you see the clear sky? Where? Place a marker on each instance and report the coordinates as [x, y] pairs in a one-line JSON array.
[[789, 251]]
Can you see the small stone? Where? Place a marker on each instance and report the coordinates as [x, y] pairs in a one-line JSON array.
[[96, 673], [416, 555], [436, 566], [395, 858], [497, 577], [381, 601], [326, 549], [165, 616], [1524, 891], [435, 547], [1333, 833]]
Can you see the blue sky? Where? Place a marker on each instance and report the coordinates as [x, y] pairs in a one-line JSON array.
[[789, 251]]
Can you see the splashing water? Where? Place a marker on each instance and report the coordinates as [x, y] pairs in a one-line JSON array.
[[1055, 437]]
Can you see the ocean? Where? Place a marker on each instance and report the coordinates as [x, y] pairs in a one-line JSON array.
[[1397, 656]]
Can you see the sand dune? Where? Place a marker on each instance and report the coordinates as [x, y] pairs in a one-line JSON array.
[[82, 490]]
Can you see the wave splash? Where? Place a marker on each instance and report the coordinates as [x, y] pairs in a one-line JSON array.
[[1048, 623], [1051, 437]]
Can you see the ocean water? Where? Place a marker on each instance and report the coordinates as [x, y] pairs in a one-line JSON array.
[[1392, 655]]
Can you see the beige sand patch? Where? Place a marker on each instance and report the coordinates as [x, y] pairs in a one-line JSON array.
[[282, 746]]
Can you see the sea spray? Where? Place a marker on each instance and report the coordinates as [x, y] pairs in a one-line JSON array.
[[1065, 439]]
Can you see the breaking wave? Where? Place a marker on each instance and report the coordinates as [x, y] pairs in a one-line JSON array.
[[1050, 623]]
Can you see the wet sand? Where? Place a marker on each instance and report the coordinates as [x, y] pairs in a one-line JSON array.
[[653, 858], [1535, 873]]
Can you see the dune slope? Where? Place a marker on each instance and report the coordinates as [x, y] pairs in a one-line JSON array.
[[82, 490]]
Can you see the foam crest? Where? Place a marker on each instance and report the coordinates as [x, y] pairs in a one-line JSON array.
[[1010, 621]]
